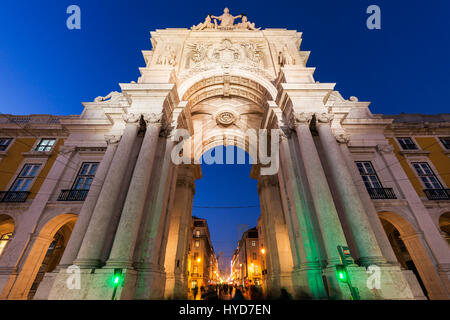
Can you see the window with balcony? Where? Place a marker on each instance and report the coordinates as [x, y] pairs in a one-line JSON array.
[[19, 189], [45, 145], [4, 143], [407, 143], [82, 183], [433, 188], [372, 183], [445, 142]]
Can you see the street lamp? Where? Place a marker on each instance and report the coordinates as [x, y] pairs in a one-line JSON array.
[[263, 251], [198, 260]]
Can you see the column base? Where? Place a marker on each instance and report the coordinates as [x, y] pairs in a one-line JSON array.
[[369, 261], [392, 285], [176, 287], [444, 274], [94, 285], [88, 263], [308, 284], [150, 284], [276, 282], [118, 264], [414, 285]]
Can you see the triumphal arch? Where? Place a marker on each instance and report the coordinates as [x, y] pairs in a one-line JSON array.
[[222, 82]]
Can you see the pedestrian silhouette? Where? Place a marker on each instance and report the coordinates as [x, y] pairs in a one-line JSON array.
[[238, 295], [285, 295]]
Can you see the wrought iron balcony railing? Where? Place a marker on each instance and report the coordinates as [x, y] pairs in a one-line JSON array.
[[437, 194], [73, 195], [381, 193], [14, 196]]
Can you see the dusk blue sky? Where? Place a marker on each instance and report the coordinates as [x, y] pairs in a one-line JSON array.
[[46, 68]]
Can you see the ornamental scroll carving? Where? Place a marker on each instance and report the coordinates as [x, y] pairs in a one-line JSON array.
[[226, 117], [247, 55]]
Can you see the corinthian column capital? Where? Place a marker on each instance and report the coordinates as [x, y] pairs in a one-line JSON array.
[[112, 139], [343, 138], [324, 117], [66, 149], [131, 117], [300, 118], [153, 118], [385, 148]]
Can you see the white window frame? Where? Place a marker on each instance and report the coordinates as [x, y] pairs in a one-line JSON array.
[[32, 179], [369, 174], [26, 161], [38, 142], [412, 139], [78, 175], [442, 144], [433, 170], [9, 145]]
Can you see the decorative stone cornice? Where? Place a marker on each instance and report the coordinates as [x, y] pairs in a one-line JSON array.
[[385, 148], [112, 139]]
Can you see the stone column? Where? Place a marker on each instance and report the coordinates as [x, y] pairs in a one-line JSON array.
[[278, 246], [374, 219], [179, 225], [74, 244], [307, 275], [151, 260], [16, 253], [365, 241], [430, 277], [127, 232], [328, 219], [91, 248], [437, 244]]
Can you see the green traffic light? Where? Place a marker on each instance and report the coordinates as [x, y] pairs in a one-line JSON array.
[[116, 279], [341, 273]]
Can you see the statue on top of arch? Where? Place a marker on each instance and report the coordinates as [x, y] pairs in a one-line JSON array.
[[226, 22]]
